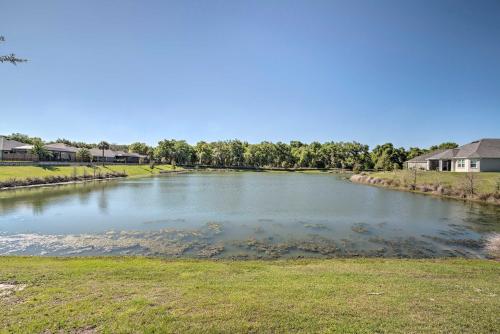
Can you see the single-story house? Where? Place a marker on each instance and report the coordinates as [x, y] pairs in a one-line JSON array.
[[130, 157], [97, 155], [117, 156], [421, 162], [6, 152], [58, 152], [479, 156], [61, 152], [11, 150]]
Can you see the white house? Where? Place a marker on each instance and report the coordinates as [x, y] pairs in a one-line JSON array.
[[479, 156]]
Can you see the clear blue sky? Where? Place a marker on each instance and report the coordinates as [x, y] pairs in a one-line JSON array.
[[413, 73]]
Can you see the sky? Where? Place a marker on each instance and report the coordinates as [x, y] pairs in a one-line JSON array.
[[414, 73]]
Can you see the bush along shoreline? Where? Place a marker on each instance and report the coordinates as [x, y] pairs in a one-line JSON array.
[[462, 192], [56, 179]]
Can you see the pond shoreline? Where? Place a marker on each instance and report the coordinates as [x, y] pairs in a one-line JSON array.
[[424, 189], [40, 185], [62, 183]]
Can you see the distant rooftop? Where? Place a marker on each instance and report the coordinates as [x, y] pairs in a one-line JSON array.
[[7, 144], [424, 157]]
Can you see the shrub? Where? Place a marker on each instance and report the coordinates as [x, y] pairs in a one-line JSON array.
[[357, 168]]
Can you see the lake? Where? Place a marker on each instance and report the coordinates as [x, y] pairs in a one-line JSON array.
[[240, 215]]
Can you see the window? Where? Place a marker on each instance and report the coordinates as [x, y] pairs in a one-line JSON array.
[[473, 164], [461, 163]]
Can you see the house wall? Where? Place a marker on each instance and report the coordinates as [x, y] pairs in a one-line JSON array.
[[1, 147], [490, 165], [416, 165], [98, 158], [62, 156], [18, 156], [467, 167]]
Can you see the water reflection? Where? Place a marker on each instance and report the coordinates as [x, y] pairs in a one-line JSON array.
[[42, 197]]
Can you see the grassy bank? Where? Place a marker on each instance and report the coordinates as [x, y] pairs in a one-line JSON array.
[[485, 182], [115, 295], [22, 172], [485, 187]]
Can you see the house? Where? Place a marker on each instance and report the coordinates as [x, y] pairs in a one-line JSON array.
[[58, 152], [421, 161], [99, 156], [6, 150], [61, 152], [479, 156], [130, 157], [11, 150]]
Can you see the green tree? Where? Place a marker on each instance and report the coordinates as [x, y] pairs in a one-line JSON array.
[[386, 156], [74, 143], [23, 138], [415, 152], [236, 152], [10, 58], [356, 154], [83, 154], [140, 148], [183, 153], [165, 150], [443, 146], [203, 153], [284, 157]]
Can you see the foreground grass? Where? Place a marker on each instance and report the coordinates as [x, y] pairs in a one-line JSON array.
[[486, 182], [152, 295], [22, 172]]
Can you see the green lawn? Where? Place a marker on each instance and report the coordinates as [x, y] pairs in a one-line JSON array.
[[20, 172], [116, 295], [486, 182]]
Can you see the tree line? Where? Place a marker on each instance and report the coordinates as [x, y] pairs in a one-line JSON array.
[[295, 154], [237, 153]]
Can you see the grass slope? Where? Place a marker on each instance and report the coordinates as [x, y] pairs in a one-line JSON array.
[[21, 172], [115, 295], [486, 181]]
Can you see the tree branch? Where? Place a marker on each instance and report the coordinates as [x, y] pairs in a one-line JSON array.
[[12, 59]]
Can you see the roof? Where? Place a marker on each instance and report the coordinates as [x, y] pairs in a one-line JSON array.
[[7, 144], [24, 147], [483, 148], [424, 157], [98, 153], [134, 154], [124, 154], [445, 154], [61, 147]]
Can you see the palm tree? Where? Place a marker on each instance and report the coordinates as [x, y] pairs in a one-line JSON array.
[[103, 146], [39, 150]]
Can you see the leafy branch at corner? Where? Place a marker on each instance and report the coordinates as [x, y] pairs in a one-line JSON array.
[[12, 58]]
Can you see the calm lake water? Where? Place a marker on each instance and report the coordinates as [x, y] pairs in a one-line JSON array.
[[240, 215]]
